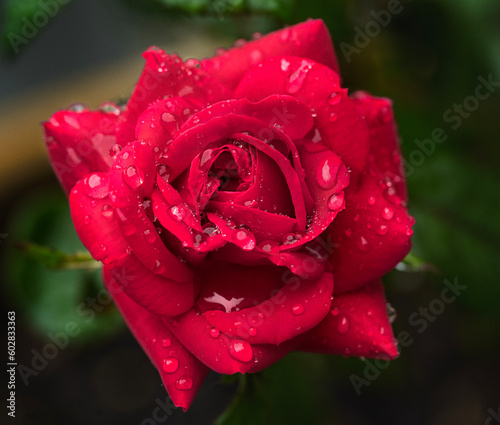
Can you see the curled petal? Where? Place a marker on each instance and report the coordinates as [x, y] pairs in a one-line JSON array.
[[296, 308], [308, 40], [80, 143], [357, 325], [336, 115], [153, 292], [181, 373]]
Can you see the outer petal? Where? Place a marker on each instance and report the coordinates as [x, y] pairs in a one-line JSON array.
[[308, 40], [221, 353], [93, 218], [151, 291], [343, 128], [372, 235], [80, 143], [181, 373], [358, 325], [384, 144], [297, 307], [166, 75]]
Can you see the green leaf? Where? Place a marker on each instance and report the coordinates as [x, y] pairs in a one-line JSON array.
[[52, 299]]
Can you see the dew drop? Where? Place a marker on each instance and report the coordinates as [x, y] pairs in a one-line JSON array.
[[343, 325], [334, 311], [296, 80], [87, 219], [336, 201], [184, 383], [382, 229], [387, 213], [356, 217], [371, 200], [348, 232], [78, 107], [167, 117], [334, 98], [96, 186], [326, 173], [333, 117], [170, 364], [110, 108], [252, 331], [269, 247], [114, 150], [166, 342], [297, 309], [107, 211], [214, 333], [284, 65], [149, 236], [244, 239], [362, 244], [132, 177], [240, 350], [256, 56], [164, 172], [177, 212]]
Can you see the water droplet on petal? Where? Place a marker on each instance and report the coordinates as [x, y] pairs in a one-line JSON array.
[[333, 117], [387, 213], [78, 107], [110, 108], [214, 333], [284, 65], [240, 350], [297, 309], [343, 325], [362, 244], [132, 177], [269, 247], [334, 311], [149, 236], [348, 232], [107, 211], [336, 201], [256, 56], [290, 238], [244, 239], [170, 364], [326, 174], [252, 331], [334, 98], [296, 80], [382, 229], [87, 219], [356, 217], [184, 383], [96, 186], [114, 150], [166, 342], [177, 212], [371, 200]]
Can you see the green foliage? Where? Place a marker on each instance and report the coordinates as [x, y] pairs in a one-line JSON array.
[[55, 289]]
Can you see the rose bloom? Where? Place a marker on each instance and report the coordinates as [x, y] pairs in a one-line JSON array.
[[244, 206]]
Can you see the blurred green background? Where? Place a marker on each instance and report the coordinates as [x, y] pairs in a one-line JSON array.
[[429, 57]]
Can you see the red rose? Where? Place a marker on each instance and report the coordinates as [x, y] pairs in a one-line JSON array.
[[243, 206]]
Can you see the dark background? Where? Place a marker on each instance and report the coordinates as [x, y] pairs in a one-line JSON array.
[[429, 58]]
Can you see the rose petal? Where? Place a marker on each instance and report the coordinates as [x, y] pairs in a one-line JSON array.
[[319, 88], [80, 143], [358, 325], [308, 40], [93, 217], [384, 142], [298, 306], [166, 75], [181, 373], [372, 235], [151, 291]]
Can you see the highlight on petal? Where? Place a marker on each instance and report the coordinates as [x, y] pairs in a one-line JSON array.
[[309, 39], [357, 325], [80, 142], [181, 373]]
